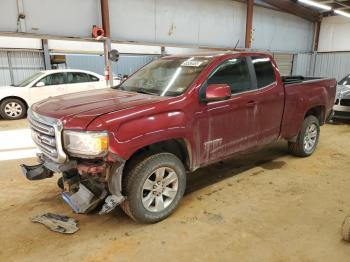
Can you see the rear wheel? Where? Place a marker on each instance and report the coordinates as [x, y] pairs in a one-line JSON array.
[[307, 139], [153, 187], [12, 109]]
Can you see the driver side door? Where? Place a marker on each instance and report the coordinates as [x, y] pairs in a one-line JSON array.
[[53, 85], [229, 126]]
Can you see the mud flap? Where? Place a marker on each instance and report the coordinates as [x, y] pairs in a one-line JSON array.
[[36, 172]]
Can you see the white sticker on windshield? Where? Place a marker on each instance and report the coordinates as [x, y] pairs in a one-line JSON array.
[[193, 63]]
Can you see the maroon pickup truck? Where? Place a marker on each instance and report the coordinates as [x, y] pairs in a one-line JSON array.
[[134, 144]]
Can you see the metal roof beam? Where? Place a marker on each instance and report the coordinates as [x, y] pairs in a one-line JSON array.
[[295, 9]]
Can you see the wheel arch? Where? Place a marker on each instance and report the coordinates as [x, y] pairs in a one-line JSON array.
[[15, 97], [317, 111], [179, 147]]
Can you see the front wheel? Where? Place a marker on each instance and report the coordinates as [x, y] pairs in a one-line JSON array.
[[12, 109], [307, 139], [153, 187]]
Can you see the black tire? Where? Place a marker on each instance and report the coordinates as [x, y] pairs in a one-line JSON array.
[[297, 148], [60, 183], [345, 230], [19, 104], [134, 179]]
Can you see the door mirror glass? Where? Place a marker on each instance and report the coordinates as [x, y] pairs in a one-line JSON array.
[[217, 92], [40, 84]]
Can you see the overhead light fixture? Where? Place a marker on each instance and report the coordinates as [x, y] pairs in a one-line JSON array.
[[342, 13], [315, 4]]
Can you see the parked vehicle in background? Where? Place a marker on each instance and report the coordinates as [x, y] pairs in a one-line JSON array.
[[341, 108], [16, 99], [133, 146]]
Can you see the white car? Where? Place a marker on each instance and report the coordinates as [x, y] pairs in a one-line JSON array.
[[341, 108], [16, 99]]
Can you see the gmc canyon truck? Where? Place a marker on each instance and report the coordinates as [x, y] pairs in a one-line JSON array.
[[134, 144]]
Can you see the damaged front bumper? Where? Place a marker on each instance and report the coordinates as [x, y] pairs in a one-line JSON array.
[[85, 184]]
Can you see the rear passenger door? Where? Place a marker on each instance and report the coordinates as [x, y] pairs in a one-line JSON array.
[[80, 81], [269, 98]]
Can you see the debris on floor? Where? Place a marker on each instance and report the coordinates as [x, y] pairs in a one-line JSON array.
[[57, 223], [111, 202], [346, 229]]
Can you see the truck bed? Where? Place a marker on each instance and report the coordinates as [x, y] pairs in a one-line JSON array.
[[301, 94], [298, 79]]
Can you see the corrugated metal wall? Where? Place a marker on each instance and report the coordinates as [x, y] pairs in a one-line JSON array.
[[5, 76], [17, 65], [335, 65], [332, 65], [196, 22], [302, 64], [284, 62], [127, 64]]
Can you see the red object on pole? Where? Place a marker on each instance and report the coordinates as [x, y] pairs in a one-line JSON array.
[[107, 75], [97, 31], [249, 24]]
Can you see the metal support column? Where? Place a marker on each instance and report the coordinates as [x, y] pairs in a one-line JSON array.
[[21, 23], [107, 42], [249, 24], [317, 35], [46, 54], [10, 67]]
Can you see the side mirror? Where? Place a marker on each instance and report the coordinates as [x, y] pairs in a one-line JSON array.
[[40, 84], [217, 92]]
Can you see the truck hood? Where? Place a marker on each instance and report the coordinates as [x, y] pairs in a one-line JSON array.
[[84, 107]]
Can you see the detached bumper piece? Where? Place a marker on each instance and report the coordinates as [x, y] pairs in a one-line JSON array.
[[84, 200], [36, 172]]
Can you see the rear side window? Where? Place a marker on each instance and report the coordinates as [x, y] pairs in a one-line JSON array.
[[265, 74], [77, 77], [233, 72], [93, 78]]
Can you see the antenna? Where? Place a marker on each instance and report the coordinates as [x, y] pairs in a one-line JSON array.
[[236, 44]]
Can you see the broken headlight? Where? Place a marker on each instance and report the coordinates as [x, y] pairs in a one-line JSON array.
[[85, 144]]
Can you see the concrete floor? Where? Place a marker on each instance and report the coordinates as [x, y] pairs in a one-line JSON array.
[[265, 206]]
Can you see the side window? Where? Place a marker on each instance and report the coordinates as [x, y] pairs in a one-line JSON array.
[[93, 78], [233, 72], [53, 79], [77, 77], [265, 74]]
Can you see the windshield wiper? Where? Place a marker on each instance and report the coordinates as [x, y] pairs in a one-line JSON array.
[[144, 91]]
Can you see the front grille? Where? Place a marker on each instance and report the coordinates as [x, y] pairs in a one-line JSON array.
[[47, 135], [345, 102], [341, 114], [336, 102]]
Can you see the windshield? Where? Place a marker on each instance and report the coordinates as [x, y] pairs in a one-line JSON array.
[[166, 76], [345, 81], [29, 79]]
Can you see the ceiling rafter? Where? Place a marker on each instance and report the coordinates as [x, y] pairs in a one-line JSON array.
[[294, 8]]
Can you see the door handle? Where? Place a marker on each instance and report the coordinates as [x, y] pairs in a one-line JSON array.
[[251, 103]]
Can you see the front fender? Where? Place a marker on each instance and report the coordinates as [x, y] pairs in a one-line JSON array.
[[138, 133]]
